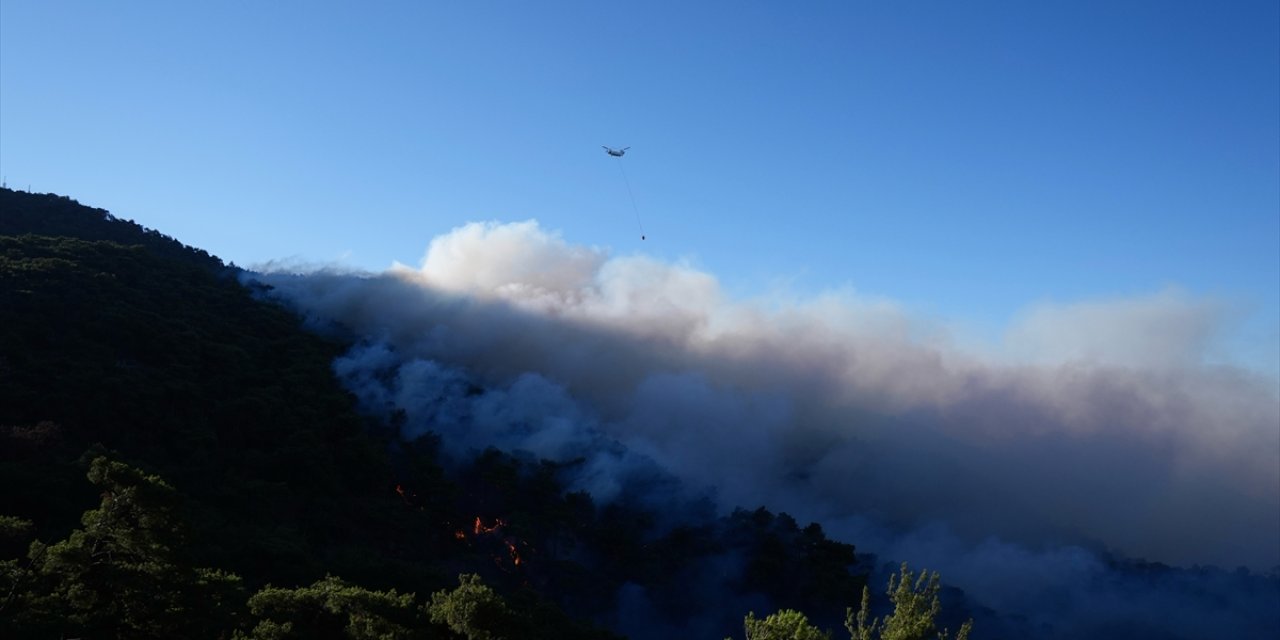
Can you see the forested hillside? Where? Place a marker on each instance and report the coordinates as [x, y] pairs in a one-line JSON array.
[[179, 460]]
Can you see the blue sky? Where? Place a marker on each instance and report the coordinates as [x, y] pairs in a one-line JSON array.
[[966, 159]]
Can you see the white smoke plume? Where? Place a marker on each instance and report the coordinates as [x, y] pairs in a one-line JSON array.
[[1108, 431], [1163, 330]]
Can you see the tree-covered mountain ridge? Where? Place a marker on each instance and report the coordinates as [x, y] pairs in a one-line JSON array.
[[180, 460]]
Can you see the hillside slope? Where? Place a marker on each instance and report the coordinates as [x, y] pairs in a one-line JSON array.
[[147, 364]]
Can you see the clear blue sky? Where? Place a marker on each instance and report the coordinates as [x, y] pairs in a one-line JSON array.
[[966, 158]]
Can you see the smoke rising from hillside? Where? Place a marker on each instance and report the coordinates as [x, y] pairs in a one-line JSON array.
[[1109, 430]]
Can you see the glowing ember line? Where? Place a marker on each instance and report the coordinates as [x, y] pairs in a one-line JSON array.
[[480, 529]]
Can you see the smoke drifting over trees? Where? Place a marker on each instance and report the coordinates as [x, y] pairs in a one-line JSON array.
[[1015, 478], [645, 387]]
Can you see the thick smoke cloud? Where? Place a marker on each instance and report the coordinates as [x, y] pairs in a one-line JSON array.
[[1107, 430], [1163, 330]]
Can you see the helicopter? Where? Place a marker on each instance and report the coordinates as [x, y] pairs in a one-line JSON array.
[[618, 153]]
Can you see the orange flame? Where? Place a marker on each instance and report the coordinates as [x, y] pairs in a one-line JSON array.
[[404, 494], [481, 529]]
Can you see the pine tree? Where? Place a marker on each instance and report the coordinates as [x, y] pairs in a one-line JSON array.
[[787, 624], [123, 574], [333, 608], [915, 606], [473, 610]]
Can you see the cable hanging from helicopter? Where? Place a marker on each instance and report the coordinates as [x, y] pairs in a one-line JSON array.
[[618, 153]]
